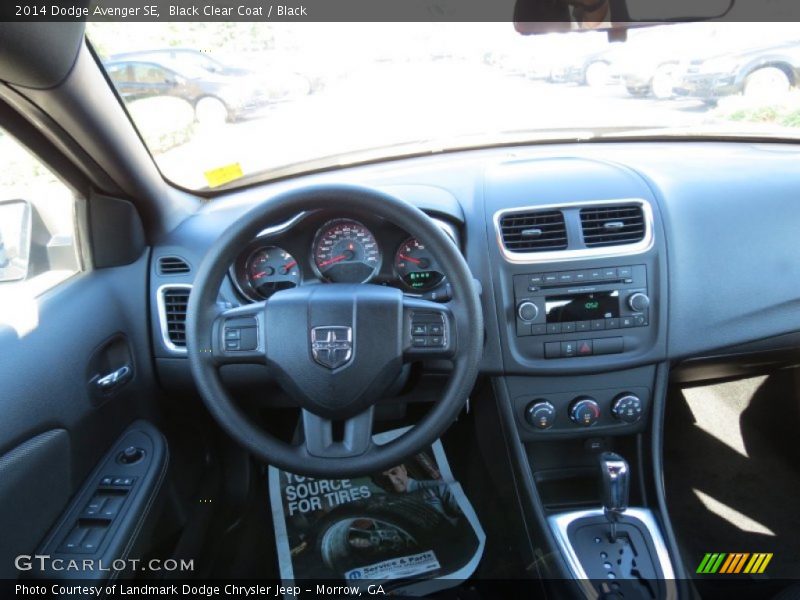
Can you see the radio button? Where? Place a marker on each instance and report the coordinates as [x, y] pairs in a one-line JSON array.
[[539, 329], [598, 324], [536, 279], [551, 278], [612, 345], [568, 277], [568, 327], [610, 274], [625, 272], [552, 350], [640, 320], [527, 311], [583, 326], [523, 329], [581, 276], [553, 328], [626, 322], [638, 302], [569, 349], [612, 323], [595, 275]]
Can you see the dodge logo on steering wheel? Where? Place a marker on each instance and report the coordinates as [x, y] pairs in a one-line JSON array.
[[332, 346]]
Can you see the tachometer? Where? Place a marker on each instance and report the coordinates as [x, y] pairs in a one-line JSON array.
[[270, 269], [345, 251], [416, 267]]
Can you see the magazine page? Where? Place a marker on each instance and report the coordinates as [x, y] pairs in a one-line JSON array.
[[409, 527]]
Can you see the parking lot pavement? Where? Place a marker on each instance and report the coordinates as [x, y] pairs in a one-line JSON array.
[[406, 103]]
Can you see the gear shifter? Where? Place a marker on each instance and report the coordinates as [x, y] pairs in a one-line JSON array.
[[616, 483]]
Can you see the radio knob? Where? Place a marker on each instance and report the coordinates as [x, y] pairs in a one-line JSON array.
[[540, 414], [527, 311], [627, 408], [584, 411], [638, 302]]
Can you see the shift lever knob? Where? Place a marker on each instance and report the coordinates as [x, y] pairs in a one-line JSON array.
[[615, 475]]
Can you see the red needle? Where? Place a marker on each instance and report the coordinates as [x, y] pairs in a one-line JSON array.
[[330, 261], [416, 261], [290, 265]]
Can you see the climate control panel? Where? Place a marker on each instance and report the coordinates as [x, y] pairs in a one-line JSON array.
[[586, 413]]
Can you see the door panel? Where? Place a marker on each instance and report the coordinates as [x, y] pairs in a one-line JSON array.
[[54, 429]]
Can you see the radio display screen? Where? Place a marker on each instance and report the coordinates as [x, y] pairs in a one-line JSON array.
[[582, 307]]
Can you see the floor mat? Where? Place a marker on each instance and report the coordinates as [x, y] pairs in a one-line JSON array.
[[732, 471]]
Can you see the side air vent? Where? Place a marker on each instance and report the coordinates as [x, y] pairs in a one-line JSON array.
[[172, 265], [534, 231], [173, 302], [612, 225]]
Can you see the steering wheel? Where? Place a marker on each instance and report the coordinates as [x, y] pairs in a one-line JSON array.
[[334, 348]]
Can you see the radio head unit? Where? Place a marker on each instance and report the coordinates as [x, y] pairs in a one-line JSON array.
[[572, 306]]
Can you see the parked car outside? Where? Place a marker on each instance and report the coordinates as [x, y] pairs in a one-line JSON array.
[[759, 73], [279, 83], [216, 97]]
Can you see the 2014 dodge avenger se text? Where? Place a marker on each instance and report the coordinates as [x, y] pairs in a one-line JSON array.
[[480, 300]]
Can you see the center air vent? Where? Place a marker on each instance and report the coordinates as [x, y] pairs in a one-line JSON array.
[[174, 301], [534, 231], [612, 225], [172, 265]]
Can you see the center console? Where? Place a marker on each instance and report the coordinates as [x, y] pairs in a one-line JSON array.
[[580, 290]]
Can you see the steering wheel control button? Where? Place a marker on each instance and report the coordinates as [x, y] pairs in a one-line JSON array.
[[584, 411], [240, 335], [540, 414], [427, 330], [527, 311], [627, 408]]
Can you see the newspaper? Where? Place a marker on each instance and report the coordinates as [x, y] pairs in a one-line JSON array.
[[409, 528]]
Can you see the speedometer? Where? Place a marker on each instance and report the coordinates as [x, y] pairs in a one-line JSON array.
[[345, 251]]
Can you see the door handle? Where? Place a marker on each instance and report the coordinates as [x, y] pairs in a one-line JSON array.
[[115, 379]]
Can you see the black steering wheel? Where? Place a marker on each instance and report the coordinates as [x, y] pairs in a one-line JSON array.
[[334, 348]]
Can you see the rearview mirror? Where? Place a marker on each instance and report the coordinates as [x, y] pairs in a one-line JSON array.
[[15, 239], [558, 16]]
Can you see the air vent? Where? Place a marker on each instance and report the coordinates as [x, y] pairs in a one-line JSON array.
[[172, 265], [612, 225], [174, 303], [534, 231]]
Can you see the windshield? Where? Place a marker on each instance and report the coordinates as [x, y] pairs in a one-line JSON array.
[[259, 101]]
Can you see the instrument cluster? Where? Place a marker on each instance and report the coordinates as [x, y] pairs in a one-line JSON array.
[[326, 248]]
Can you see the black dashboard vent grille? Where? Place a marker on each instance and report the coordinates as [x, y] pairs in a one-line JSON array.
[[534, 231], [172, 265], [612, 225], [175, 303]]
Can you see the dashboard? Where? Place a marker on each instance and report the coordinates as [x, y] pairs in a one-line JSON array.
[[715, 269], [331, 247]]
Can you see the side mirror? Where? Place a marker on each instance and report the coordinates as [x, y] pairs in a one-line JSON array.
[[15, 239]]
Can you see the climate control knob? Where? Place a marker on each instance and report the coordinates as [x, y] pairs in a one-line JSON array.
[[541, 414], [584, 411], [638, 302], [527, 311], [627, 408]]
